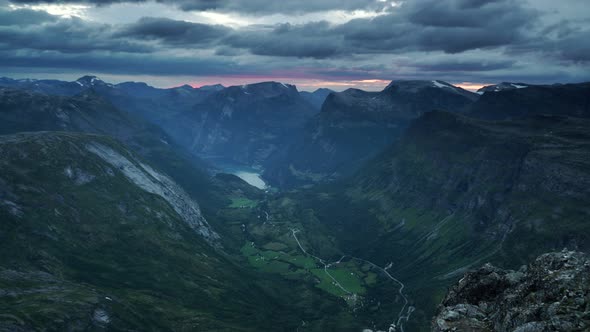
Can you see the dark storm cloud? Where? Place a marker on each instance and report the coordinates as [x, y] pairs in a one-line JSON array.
[[562, 41], [282, 6], [441, 35], [174, 32], [506, 14], [448, 26], [574, 47], [452, 26], [67, 36], [119, 63], [313, 40], [420, 26], [462, 65], [91, 2], [22, 17], [242, 6]]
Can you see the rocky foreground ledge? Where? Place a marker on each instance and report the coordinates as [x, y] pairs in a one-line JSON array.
[[550, 294]]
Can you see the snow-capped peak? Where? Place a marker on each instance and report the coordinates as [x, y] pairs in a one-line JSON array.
[[502, 87], [89, 81], [441, 84]]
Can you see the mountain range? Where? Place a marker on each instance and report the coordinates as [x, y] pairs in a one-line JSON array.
[[355, 125], [111, 219]]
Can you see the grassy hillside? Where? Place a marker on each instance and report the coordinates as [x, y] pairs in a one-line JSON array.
[[85, 246], [457, 192]]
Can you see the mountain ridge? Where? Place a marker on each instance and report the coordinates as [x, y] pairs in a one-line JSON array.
[[354, 125]]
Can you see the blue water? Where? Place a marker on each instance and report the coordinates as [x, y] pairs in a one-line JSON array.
[[252, 177], [249, 174]]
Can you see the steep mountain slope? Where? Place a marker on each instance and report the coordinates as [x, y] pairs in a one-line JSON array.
[[354, 125], [92, 238], [28, 111], [88, 112], [455, 192], [63, 180], [513, 101], [245, 124], [317, 97]]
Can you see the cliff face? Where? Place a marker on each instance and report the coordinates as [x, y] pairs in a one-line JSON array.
[[510, 184], [550, 294], [245, 124], [355, 125]]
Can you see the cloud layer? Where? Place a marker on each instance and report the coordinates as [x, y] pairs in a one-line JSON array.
[[457, 40]]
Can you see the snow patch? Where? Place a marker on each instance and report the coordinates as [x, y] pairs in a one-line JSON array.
[[68, 172], [83, 177], [101, 316], [156, 183], [439, 85], [13, 208], [79, 176], [519, 86]]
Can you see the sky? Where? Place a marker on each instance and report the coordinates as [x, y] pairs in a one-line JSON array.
[[336, 44]]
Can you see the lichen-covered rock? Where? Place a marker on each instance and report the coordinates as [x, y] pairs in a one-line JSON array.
[[550, 294]]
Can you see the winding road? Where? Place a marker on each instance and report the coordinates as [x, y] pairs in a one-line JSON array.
[[294, 232], [401, 317]]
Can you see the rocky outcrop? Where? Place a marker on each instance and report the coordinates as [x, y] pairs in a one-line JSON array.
[[550, 294], [159, 184]]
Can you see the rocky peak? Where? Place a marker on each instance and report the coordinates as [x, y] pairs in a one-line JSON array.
[[416, 85], [317, 97], [133, 84], [323, 91], [420, 86], [90, 81], [268, 87], [212, 88], [502, 87], [256, 91], [550, 294]]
